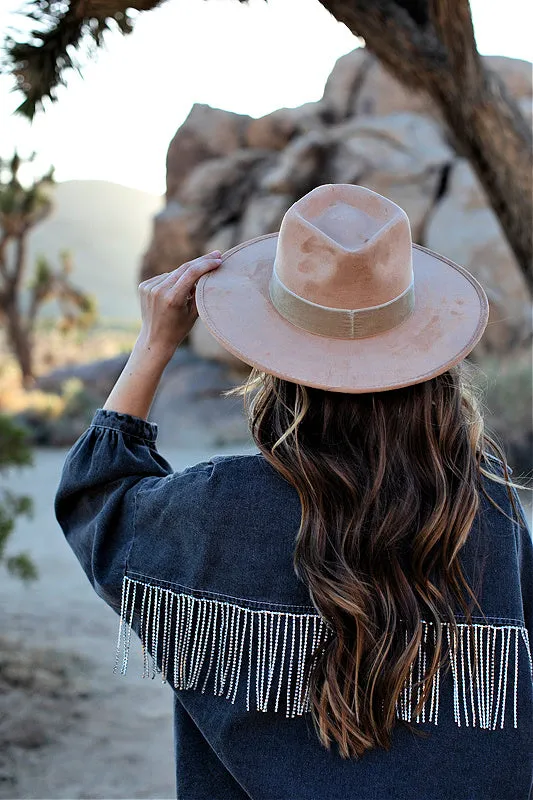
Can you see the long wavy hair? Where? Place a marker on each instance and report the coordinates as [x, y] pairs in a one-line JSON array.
[[389, 487]]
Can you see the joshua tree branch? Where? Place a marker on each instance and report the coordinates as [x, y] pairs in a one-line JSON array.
[[19, 262], [38, 296], [39, 65], [3, 268], [452, 23]]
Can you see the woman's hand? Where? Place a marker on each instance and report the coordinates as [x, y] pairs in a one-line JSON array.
[[168, 311], [168, 305]]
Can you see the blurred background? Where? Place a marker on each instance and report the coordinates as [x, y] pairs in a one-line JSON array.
[[135, 138]]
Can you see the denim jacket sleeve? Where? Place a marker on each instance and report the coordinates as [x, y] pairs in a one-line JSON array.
[[95, 500]]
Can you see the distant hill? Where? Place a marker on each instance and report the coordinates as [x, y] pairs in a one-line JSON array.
[[107, 227]]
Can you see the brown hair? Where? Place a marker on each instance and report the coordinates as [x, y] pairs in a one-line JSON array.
[[389, 487]]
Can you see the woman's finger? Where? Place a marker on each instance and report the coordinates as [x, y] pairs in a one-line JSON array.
[[153, 281], [171, 277], [168, 281], [179, 271], [188, 279]]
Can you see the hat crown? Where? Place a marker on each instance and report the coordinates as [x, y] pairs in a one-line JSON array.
[[344, 246], [341, 299]]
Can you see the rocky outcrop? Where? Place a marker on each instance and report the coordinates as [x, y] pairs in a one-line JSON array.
[[230, 178], [177, 237], [189, 406], [206, 133], [514, 72], [100, 376], [402, 156], [191, 410], [274, 131], [205, 346], [467, 231], [358, 84]]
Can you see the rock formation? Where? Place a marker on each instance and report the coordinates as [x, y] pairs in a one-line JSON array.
[[230, 178]]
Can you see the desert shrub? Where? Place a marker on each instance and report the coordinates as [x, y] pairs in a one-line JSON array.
[[57, 420], [14, 452], [508, 399]]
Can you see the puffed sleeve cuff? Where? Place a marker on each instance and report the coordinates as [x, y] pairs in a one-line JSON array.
[[95, 502], [125, 423]]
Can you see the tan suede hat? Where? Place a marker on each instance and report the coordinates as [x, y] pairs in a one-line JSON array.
[[341, 299]]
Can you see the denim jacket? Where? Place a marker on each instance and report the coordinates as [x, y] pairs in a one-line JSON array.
[[198, 564]]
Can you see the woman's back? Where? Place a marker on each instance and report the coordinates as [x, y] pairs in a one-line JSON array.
[[209, 572], [346, 613]]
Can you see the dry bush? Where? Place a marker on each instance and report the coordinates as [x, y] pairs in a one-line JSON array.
[[57, 419], [508, 405]]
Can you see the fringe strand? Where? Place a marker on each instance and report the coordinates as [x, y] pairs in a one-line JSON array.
[[268, 654]]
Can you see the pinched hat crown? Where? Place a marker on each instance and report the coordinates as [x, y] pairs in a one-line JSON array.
[[342, 299], [343, 264]]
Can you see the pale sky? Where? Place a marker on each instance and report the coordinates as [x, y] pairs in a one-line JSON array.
[[116, 122]]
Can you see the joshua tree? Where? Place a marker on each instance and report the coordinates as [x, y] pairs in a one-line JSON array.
[[21, 209], [428, 45]]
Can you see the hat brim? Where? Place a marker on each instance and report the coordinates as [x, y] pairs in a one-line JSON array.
[[449, 317]]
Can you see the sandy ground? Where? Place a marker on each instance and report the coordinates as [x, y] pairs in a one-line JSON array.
[[98, 735]]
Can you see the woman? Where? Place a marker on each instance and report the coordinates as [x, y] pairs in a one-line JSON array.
[[345, 613]]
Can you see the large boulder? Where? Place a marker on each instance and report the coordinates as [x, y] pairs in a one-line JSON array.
[[402, 156], [206, 133], [526, 106], [506, 384], [275, 130], [221, 187], [298, 168], [380, 94], [177, 237], [465, 229], [99, 376], [515, 73], [263, 214], [223, 239], [206, 346], [344, 82], [189, 407], [359, 84]]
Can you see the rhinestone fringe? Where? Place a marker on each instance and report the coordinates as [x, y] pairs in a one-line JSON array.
[[204, 642]]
